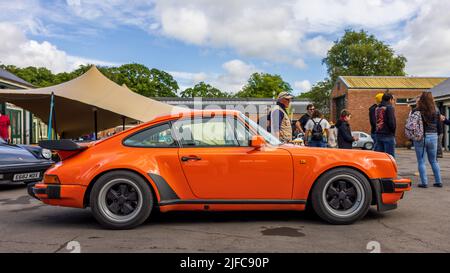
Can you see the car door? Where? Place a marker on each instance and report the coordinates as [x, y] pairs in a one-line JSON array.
[[219, 163]]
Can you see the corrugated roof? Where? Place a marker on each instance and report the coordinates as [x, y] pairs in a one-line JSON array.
[[379, 82], [4, 74], [442, 89]]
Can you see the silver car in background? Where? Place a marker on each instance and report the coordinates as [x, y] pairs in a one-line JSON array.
[[364, 141]]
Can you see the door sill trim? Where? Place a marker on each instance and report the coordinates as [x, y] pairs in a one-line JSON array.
[[232, 202]]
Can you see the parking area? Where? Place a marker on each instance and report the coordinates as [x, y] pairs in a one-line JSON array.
[[420, 224]]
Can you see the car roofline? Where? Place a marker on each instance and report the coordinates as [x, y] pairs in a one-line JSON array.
[[167, 117]]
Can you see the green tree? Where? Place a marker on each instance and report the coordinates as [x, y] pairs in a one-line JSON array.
[[203, 90], [361, 54], [264, 85], [37, 76], [144, 81], [319, 95]]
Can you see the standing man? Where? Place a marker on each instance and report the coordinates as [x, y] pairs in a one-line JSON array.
[[280, 122], [301, 123], [5, 126], [372, 118], [317, 130], [386, 125], [440, 131], [445, 120]]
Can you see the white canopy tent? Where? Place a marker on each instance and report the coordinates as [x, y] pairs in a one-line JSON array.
[[87, 104]]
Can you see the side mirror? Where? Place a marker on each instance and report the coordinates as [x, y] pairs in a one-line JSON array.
[[257, 141]]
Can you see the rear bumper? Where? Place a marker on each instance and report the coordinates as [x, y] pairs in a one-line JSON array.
[[58, 195], [389, 191]]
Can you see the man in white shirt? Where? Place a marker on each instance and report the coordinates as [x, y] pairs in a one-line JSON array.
[[317, 130]]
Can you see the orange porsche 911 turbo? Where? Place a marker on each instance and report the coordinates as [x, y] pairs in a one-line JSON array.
[[216, 160]]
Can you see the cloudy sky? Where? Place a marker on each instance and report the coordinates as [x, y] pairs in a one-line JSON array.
[[221, 42]]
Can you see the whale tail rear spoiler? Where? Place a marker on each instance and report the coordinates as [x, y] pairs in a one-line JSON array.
[[64, 147]]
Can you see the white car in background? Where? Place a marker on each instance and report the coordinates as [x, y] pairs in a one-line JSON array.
[[364, 141]]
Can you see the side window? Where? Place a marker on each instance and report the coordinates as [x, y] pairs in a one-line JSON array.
[[206, 132], [243, 135], [155, 137]]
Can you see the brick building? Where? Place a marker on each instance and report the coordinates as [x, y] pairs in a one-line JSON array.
[[357, 94], [441, 94]]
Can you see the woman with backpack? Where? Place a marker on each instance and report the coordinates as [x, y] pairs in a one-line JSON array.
[[425, 120], [317, 130]]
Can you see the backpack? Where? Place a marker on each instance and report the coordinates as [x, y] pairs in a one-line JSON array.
[[414, 127], [317, 131]]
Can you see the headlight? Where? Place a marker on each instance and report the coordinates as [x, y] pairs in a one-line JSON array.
[[47, 154]]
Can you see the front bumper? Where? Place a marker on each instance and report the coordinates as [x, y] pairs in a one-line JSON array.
[[389, 191], [58, 195]]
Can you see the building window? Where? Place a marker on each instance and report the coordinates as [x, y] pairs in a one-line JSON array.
[[402, 101]]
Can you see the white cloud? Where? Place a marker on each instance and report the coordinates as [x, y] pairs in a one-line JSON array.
[[318, 46], [292, 32], [285, 31], [17, 49], [425, 40], [111, 13], [302, 86], [329, 16], [234, 76]]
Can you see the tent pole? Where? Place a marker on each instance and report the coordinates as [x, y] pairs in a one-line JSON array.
[[49, 132], [123, 123], [55, 130], [95, 124]]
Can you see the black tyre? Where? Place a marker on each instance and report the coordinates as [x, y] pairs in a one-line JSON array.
[[121, 200], [368, 146], [341, 196]]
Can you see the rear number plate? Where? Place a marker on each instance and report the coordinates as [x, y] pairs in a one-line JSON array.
[[26, 176]]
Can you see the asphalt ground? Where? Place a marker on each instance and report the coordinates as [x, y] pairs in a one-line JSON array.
[[420, 224]]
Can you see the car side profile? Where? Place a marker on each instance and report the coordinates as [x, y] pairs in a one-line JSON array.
[[365, 141], [215, 160]]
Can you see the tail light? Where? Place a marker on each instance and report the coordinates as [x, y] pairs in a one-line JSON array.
[[51, 179]]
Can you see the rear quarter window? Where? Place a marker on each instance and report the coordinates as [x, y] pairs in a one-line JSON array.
[[159, 136]]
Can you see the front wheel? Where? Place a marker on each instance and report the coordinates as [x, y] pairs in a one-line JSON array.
[[342, 196], [121, 200]]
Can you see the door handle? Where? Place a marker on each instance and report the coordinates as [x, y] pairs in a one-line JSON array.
[[189, 158]]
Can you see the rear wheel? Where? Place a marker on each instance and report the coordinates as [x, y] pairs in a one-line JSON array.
[[342, 196], [121, 200]]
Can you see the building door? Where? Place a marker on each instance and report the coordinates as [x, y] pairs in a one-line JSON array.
[[340, 105]]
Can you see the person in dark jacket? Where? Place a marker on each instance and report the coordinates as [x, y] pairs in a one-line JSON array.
[[385, 125], [445, 120], [431, 127], [372, 118], [440, 136], [345, 138]]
